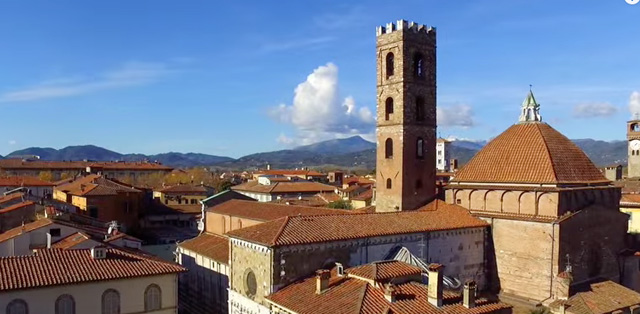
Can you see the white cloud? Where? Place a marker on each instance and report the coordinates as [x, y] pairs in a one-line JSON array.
[[594, 110], [634, 104], [12, 142], [129, 74], [457, 115], [318, 112]]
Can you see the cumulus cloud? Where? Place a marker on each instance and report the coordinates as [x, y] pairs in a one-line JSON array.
[[634, 104], [456, 116], [128, 74], [594, 110], [318, 112]]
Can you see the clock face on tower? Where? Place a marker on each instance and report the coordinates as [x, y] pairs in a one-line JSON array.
[[635, 144]]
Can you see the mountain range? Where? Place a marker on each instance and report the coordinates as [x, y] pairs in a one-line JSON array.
[[352, 152]]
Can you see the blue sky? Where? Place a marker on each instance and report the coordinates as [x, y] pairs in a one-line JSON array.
[[235, 78]]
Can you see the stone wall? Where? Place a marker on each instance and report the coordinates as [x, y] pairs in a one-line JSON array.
[[246, 259]]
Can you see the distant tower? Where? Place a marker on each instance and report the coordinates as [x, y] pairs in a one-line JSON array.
[[633, 138], [443, 155], [406, 128]]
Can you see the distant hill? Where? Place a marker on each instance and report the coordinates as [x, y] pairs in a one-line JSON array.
[[353, 152], [339, 146]]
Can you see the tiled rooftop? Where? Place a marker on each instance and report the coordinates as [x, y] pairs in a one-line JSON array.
[[530, 153], [384, 270], [23, 181], [601, 298], [284, 187], [291, 230], [55, 267], [269, 211], [80, 165], [95, 185], [16, 206], [210, 245]]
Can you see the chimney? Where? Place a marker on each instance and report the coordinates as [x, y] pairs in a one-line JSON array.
[[563, 285], [322, 280], [99, 252], [469, 294], [48, 240], [435, 284], [390, 292], [268, 167]]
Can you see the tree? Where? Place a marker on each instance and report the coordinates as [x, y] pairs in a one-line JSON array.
[[340, 204], [46, 176], [223, 186]]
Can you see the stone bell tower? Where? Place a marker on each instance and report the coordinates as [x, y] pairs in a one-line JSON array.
[[406, 116], [633, 144]]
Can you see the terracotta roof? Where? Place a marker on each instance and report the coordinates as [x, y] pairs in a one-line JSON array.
[[284, 187], [530, 153], [71, 241], [366, 195], [602, 297], [12, 233], [187, 188], [329, 197], [55, 267], [360, 180], [630, 198], [80, 165], [384, 270], [95, 185], [23, 181], [313, 201], [11, 197], [210, 245], [348, 295], [290, 172], [16, 206], [122, 235], [437, 216], [269, 211]]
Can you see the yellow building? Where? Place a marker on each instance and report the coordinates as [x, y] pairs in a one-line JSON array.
[[97, 280], [630, 204]]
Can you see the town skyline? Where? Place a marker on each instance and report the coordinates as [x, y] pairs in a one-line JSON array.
[[152, 70]]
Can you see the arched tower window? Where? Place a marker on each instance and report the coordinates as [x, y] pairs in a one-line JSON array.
[[388, 183], [419, 108], [418, 184], [152, 298], [420, 148], [111, 302], [17, 306], [635, 127], [389, 64], [65, 304], [388, 108], [388, 149], [418, 64]]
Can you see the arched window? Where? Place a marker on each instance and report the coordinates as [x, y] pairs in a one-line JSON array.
[[388, 108], [418, 64], [390, 64], [388, 149], [152, 298], [17, 306], [419, 109], [111, 302], [388, 183], [420, 148], [65, 304]]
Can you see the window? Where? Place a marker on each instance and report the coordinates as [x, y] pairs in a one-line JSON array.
[[419, 109], [418, 63], [388, 108], [111, 302], [418, 184], [93, 212], [420, 148], [250, 283], [65, 304], [388, 149], [388, 183], [54, 232], [390, 65], [439, 153], [17, 306], [194, 201], [152, 298]]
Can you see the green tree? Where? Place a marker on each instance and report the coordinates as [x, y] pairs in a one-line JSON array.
[[340, 204], [45, 176]]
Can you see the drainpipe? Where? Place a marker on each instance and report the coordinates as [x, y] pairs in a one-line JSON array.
[[553, 245]]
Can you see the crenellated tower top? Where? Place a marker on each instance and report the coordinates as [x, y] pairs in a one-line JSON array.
[[402, 25]]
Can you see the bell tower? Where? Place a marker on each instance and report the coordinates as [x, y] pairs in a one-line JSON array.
[[633, 138], [406, 116]]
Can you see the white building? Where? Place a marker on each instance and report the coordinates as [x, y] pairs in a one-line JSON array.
[[443, 155], [98, 280], [29, 185]]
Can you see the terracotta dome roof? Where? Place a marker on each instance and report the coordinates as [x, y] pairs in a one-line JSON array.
[[531, 152]]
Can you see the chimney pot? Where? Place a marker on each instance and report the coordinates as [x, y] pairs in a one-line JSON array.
[[469, 294], [435, 287], [390, 292], [322, 280]]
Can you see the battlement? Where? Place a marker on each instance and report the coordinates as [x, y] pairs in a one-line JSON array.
[[403, 25]]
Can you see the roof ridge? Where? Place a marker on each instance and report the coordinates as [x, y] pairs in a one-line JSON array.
[[546, 146], [362, 297], [281, 230]]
